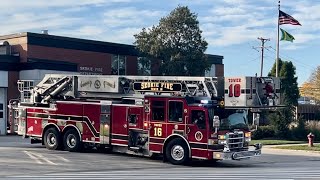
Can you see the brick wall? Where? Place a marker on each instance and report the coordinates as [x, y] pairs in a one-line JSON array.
[[82, 58]]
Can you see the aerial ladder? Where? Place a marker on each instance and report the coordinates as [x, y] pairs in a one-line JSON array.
[[248, 92], [59, 87]]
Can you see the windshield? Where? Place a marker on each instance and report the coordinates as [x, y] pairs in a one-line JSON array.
[[230, 119]]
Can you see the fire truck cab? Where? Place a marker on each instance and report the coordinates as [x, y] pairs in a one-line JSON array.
[[181, 118]]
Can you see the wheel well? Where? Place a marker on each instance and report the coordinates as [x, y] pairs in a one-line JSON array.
[[172, 137], [48, 127], [67, 128]]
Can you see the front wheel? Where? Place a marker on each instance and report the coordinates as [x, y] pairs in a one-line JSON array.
[[72, 141], [177, 152]]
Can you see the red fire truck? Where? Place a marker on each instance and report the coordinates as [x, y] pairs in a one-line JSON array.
[[181, 118]]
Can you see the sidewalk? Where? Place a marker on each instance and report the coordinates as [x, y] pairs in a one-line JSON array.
[[271, 149]]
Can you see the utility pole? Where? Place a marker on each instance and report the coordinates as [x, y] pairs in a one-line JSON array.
[[263, 40]]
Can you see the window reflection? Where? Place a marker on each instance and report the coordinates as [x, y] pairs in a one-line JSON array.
[[144, 66], [118, 65]]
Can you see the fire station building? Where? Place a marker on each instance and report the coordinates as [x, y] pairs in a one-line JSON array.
[[29, 56]]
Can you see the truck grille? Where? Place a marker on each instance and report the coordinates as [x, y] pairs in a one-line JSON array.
[[235, 140]]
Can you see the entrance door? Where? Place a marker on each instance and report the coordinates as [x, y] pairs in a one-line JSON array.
[[3, 116], [198, 133]]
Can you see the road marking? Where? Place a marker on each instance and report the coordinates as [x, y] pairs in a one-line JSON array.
[[33, 157], [62, 158], [176, 173], [43, 158], [38, 157]]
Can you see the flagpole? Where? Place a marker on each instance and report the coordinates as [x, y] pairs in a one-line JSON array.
[[277, 58]]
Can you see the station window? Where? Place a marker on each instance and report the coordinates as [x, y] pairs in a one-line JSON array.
[[144, 66], [157, 109], [1, 114], [1, 106], [175, 111], [118, 65]]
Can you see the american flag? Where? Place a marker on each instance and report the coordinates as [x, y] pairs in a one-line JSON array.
[[287, 19]]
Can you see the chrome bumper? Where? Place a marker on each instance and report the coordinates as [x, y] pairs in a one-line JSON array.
[[238, 155]]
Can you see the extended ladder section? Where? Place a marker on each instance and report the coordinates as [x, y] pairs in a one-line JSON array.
[[236, 92], [58, 86]]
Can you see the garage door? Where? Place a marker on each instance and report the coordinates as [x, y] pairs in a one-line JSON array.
[[3, 116]]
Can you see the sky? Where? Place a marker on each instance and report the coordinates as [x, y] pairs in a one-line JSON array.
[[231, 27]]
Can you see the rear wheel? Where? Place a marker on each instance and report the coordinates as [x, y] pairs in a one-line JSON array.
[[177, 152], [71, 140], [52, 139]]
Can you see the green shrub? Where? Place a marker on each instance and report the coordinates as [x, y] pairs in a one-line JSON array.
[[263, 132], [299, 132], [280, 121]]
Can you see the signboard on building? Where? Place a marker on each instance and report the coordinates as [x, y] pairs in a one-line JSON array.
[[89, 70]]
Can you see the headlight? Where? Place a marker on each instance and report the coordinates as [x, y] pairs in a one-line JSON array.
[[222, 137], [247, 136]]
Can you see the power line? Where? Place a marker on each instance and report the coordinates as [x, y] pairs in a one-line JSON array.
[[288, 57], [304, 69]]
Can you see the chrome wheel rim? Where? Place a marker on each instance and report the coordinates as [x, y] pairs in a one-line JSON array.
[[177, 152], [71, 141], [51, 139]]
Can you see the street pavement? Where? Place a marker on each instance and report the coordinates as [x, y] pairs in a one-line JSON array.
[[21, 160]]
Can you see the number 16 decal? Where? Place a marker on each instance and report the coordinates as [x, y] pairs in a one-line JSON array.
[[234, 90], [157, 131]]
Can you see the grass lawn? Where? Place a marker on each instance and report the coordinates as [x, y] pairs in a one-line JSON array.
[[275, 142], [300, 147]]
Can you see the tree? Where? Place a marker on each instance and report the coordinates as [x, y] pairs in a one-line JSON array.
[[289, 88], [311, 88], [177, 41], [307, 89]]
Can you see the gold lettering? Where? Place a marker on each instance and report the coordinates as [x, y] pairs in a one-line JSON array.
[[156, 86], [171, 86], [157, 125], [168, 86]]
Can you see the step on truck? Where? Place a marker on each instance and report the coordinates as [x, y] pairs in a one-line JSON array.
[[180, 118]]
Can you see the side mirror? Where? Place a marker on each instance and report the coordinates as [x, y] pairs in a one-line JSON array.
[[256, 120], [216, 121]]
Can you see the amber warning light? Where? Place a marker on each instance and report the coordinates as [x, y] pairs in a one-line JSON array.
[[157, 86]]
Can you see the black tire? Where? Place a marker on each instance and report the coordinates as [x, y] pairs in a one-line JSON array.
[[71, 141], [177, 152], [52, 139]]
